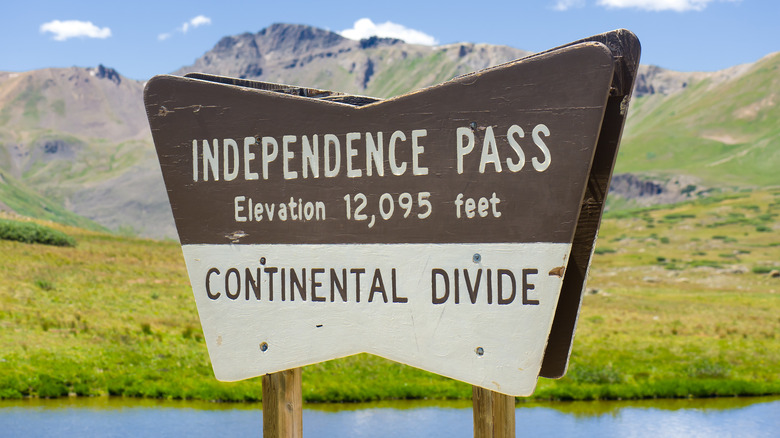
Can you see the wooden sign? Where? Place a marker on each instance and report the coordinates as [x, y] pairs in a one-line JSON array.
[[435, 229]]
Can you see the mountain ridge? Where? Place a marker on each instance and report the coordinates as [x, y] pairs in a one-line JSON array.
[[317, 58], [79, 136]]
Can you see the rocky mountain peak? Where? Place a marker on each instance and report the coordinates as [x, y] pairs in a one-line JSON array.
[[296, 39], [305, 55], [103, 72], [277, 47]]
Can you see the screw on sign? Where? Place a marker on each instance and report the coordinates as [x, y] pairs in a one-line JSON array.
[[458, 221]]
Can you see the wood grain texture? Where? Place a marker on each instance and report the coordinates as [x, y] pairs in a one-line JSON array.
[[283, 404], [626, 49], [494, 414]]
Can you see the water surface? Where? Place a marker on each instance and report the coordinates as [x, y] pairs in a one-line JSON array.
[[124, 417]]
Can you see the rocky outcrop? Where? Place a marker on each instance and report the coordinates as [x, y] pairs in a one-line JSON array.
[[652, 79], [644, 190], [103, 72], [656, 80]]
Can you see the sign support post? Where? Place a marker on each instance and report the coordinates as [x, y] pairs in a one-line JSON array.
[[283, 404], [494, 414]]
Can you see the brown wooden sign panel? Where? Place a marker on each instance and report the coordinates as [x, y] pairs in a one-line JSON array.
[[474, 155], [483, 191]]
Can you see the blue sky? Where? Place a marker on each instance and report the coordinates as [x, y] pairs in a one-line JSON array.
[[143, 38]]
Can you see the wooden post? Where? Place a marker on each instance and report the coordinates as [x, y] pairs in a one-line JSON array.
[[494, 414], [283, 404]]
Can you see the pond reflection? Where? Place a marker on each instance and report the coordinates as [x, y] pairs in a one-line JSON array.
[[123, 417]]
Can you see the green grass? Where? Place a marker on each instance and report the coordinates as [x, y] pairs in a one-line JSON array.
[[115, 315]]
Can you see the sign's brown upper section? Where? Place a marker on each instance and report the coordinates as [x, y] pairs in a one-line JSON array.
[[501, 155]]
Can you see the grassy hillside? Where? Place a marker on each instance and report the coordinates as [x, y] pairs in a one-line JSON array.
[[725, 132], [15, 197], [680, 302], [78, 138]]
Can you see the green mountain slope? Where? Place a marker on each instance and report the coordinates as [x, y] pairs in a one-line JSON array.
[[15, 197], [724, 132], [78, 137]]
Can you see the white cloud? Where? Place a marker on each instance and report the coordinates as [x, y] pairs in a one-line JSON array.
[[564, 5], [198, 21], [659, 5], [365, 28], [64, 30]]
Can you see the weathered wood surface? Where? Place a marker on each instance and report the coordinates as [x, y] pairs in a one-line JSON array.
[[478, 197], [626, 49], [530, 145], [494, 414], [283, 404]]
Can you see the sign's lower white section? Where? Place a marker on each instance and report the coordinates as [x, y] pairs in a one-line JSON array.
[[480, 313]]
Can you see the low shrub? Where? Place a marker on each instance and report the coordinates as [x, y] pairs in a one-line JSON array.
[[30, 232], [762, 269]]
